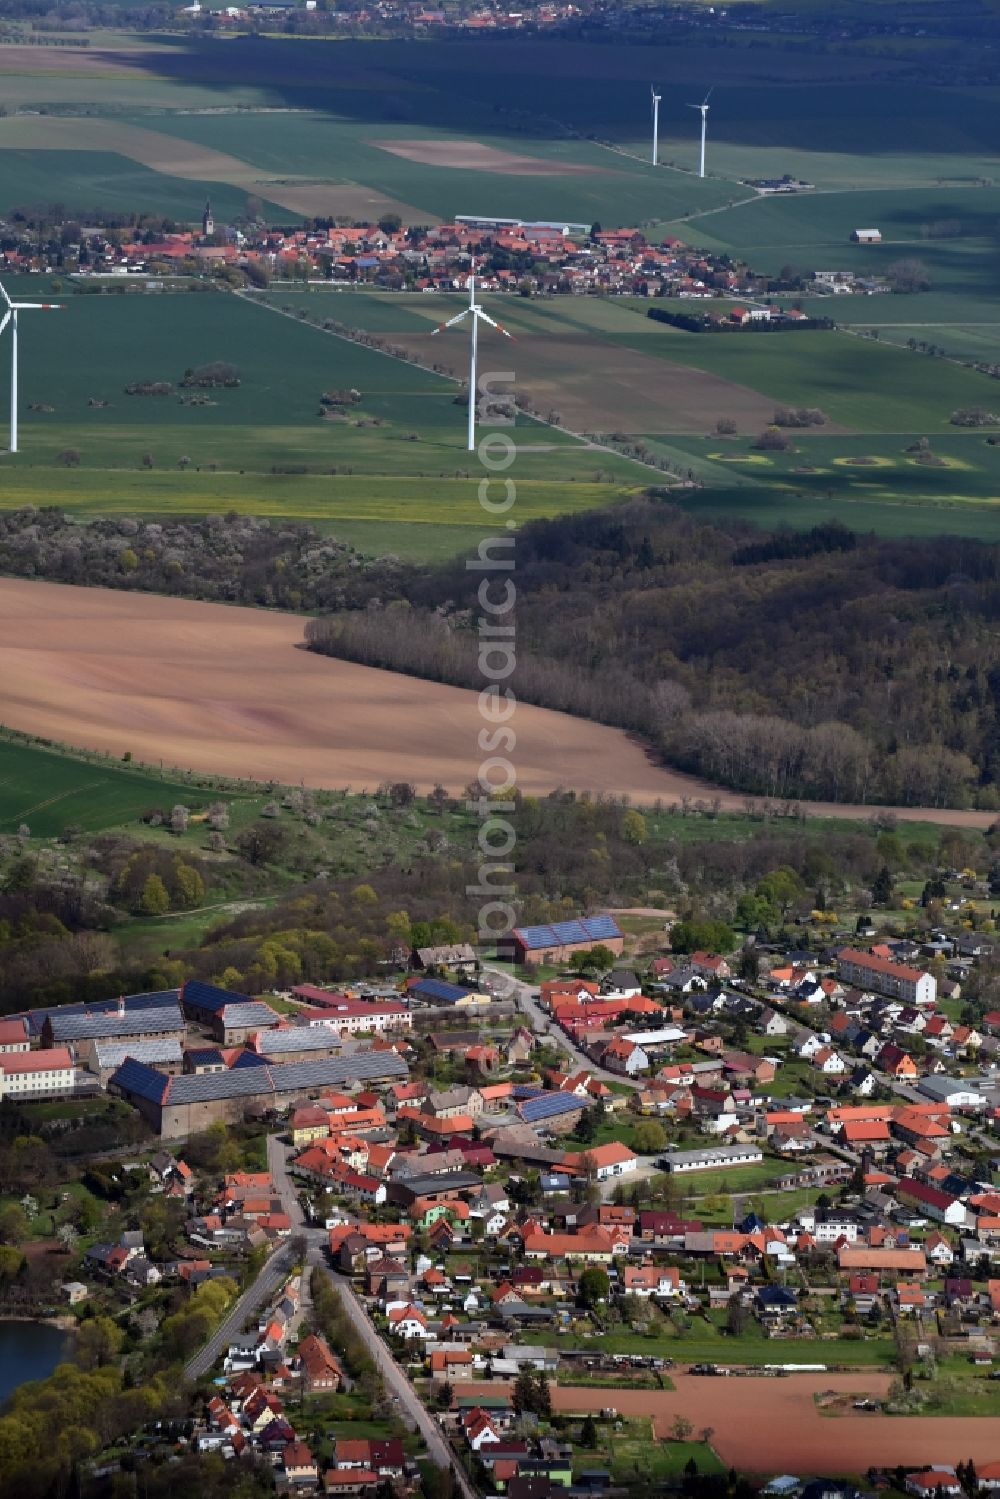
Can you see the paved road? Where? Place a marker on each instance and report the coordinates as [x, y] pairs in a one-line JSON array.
[[524, 994], [411, 1407], [253, 1298], [273, 1271]]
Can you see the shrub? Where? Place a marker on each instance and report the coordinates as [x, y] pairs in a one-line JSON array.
[[773, 440], [974, 416]]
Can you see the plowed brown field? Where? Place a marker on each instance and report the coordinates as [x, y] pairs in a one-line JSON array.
[[773, 1425], [231, 691]]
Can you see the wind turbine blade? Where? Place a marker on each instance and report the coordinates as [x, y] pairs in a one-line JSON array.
[[6, 320], [3, 293], [452, 321], [486, 317], [36, 306], [710, 93]]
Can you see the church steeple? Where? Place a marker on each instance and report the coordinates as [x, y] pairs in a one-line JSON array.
[[207, 221]]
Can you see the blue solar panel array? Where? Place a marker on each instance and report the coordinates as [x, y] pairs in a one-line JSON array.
[[87, 1027], [565, 933], [209, 998], [153, 1001], [548, 1105], [251, 1082], [142, 1081], [526, 1090], [250, 1059], [438, 989]]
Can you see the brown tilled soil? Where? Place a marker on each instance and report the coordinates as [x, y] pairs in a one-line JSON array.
[[599, 386], [231, 691], [472, 156], [773, 1425]]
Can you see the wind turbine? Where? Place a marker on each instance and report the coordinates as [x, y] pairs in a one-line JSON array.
[[477, 314], [656, 123], [10, 316], [703, 106]]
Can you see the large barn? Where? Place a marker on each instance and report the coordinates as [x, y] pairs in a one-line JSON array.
[[531, 945], [177, 1106]]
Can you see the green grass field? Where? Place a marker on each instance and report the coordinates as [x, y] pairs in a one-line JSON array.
[[48, 791], [394, 476], [94, 181]]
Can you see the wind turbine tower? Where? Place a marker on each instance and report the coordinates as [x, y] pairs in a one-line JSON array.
[[656, 125], [10, 316], [703, 106], [478, 315]]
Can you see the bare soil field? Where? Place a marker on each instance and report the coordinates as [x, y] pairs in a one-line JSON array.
[[232, 692], [69, 61], [472, 156], [176, 157], [598, 386], [773, 1425]]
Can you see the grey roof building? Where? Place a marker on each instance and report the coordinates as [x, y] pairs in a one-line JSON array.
[[177, 1106], [162, 1051]]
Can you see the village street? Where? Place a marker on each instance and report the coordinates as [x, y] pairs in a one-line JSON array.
[[524, 996]]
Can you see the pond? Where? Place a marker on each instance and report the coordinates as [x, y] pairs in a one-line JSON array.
[[28, 1350]]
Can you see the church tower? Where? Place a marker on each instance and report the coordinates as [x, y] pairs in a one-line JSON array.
[[207, 221]]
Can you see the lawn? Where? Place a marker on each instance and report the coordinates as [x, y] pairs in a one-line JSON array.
[[738, 1179], [49, 791], [706, 1343], [636, 1450]]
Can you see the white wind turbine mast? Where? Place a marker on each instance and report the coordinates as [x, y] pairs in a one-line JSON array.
[[477, 314], [10, 316], [656, 124], [703, 106]]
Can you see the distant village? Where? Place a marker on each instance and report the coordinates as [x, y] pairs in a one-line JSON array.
[[508, 255]]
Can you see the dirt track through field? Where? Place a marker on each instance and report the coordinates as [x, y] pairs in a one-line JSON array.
[[180, 158], [231, 692], [763, 1425]]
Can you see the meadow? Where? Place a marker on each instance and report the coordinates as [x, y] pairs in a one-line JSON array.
[[47, 790]]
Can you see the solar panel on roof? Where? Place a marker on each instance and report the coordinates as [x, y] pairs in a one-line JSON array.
[[438, 989], [144, 1082], [548, 1105], [114, 1053], [110, 1023], [566, 933], [602, 926], [154, 1000], [248, 1012], [209, 997], [249, 1080]]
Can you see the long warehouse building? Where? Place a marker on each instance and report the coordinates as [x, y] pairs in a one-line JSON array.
[[178, 1106]]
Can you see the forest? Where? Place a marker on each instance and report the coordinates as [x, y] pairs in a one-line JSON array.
[[823, 664]]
